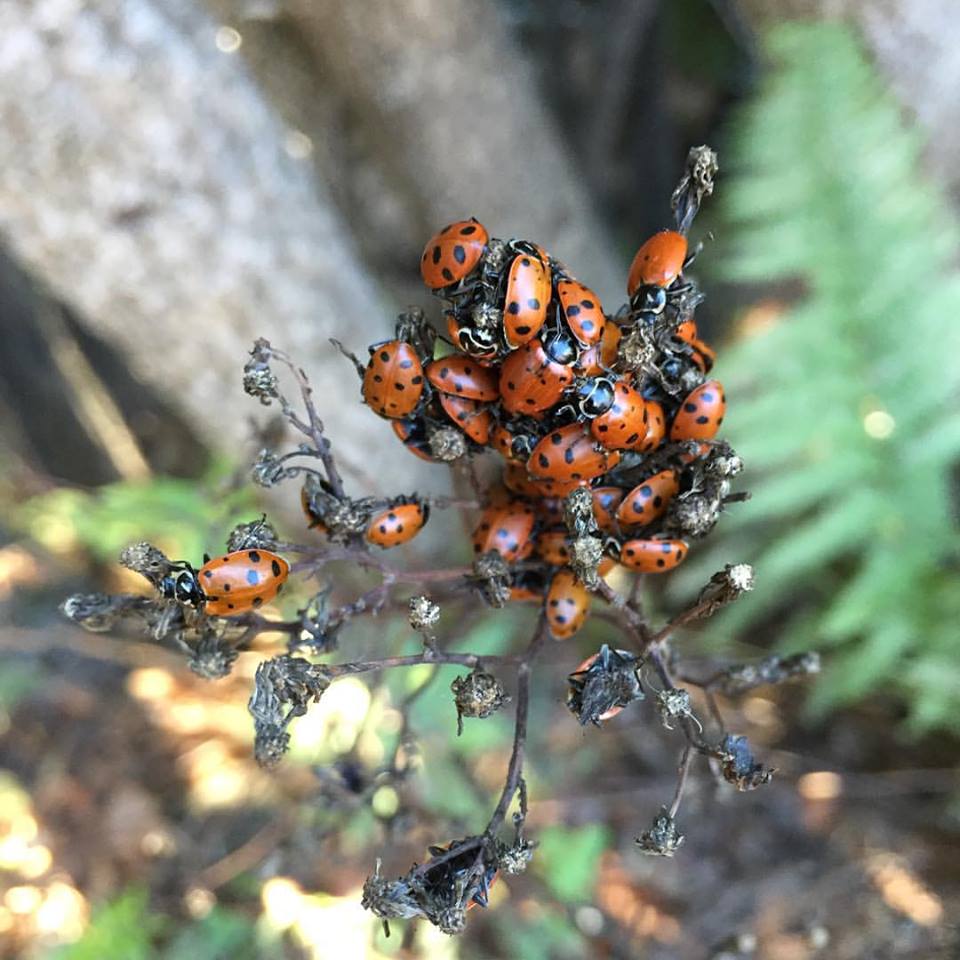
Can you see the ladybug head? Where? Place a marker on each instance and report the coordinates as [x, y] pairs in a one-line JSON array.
[[650, 299], [596, 396], [182, 587], [560, 347]]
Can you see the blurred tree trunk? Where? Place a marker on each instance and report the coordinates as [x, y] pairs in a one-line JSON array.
[[145, 178], [915, 45]]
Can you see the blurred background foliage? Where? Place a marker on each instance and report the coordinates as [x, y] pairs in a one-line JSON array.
[[133, 822]]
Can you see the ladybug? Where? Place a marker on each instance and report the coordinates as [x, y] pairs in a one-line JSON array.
[[553, 547], [527, 585], [399, 523], [526, 300], [516, 479], [700, 414], [605, 503], [471, 416], [648, 500], [229, 585], [703, 355], [506, 528], [570, 453], [593, 666], [480, 343], [452, 253], [449, 874], [461, 376], [413, 434], [599, 357], [658, 262], [513, 442], [568, 603], [530, 381], [393, 379], [595, 396], [582, 310], [656, 427], [315, 498], [653, 556], [550, 511], [626, 421]]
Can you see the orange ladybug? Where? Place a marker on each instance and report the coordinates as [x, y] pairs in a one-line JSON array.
[[530, 381], [625, 423], [228, 585], [703, 355], [515, 478], [471, 416], [648, 500], [552, 547], [653, 556], [399, 523], [582, 311], [568, 603], [452, 253], [570, 453], [599, 357], [700, 414], [605, 503], [656, 428], [658, 262], [412, 433], [461, 376], [526, 301], [393, 379], [527, 585], [506, 528]]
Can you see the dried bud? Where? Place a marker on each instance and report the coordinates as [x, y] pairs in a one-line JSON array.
[[258, 378], [516, 858], [603, 685], [268, 469], [578, 513], [637, 351], [773, 669], [447, 443], [492, 575], [725, 586], [695, 185], [663, 837], [283, 689], [212, 658], [738, 766], [258, 534], [390, 899], [147, 560], [99, 612], [424, 613], [585, 556], [479, 694], [673, 703]]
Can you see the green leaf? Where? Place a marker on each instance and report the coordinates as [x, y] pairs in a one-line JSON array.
[[124, 927], [568, 858]]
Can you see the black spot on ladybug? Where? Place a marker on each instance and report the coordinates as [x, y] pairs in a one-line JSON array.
[[459, 254], [399, 528], [525, 262], [573, 310], [458, 387], [225, 560], [417, 380], [377, 378], [511, 385], [230, 606], [587, 304], [690, 407], [661, 563], [447, 275], [560, 618], [514, 307], [444, 373], [679, 555], [543, 461], [399, 386], [632, 439], [225, 587], [645, 491], [468, 230], [658, 501], [275, 567], [405, 364], [208, 573], [254, 556], [258, 601], [253, 578], [556, 439], [436, 254], [523, 331], [702, 419], [533, 303], [383, 528]]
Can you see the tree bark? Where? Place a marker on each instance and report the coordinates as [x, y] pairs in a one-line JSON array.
[[143, 175]]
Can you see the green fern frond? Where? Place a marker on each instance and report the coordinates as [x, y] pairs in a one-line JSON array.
[[847, 411]]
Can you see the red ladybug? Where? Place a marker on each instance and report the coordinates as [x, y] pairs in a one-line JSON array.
[[700, 414], [658, 262], [526, 301], [413, 434], [625, 423], [570, 453], [527, 585], [703, 355], [530, 381], [648, 500], [471, 416], [508, 529], [398, 523], [461, 376], [605, 503], [513, 442], [553, 547], [653, 556], [515, 478], [582, 674], [656, 428], [393, 380], [601, 356], [228, 585], [451, 254], [567, 606], [582, 311]]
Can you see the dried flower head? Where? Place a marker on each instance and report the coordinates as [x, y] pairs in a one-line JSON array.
[[258, 534], [603, 685], [491, 575], [515, 859], [663, 837], [147, 560], [738, 766], [268, 469], [447, 443], [478, 694], [390, 899], [258, 379], [99, 612], [213, 657], [673, 703], [424, 613]]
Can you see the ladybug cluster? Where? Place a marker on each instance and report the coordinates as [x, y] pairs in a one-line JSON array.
[[571, 398]]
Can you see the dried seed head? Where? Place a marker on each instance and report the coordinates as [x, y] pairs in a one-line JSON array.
[[258, 534], [268, 469], [258, 379], [578, 513], [516, 858], [424, 613], [637, 351], [390, 899], [725, 586], [673, 703], [604, 685], [585, 556], [451, 919], [479, 694], [738, 766], [695, 515], [492, 576], [447, 443], [99, 612], [147, 560], [663, 837], [212, 658], [486, 317]]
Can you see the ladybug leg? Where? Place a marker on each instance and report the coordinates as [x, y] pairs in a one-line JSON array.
[[693, 254], [360, 367]]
